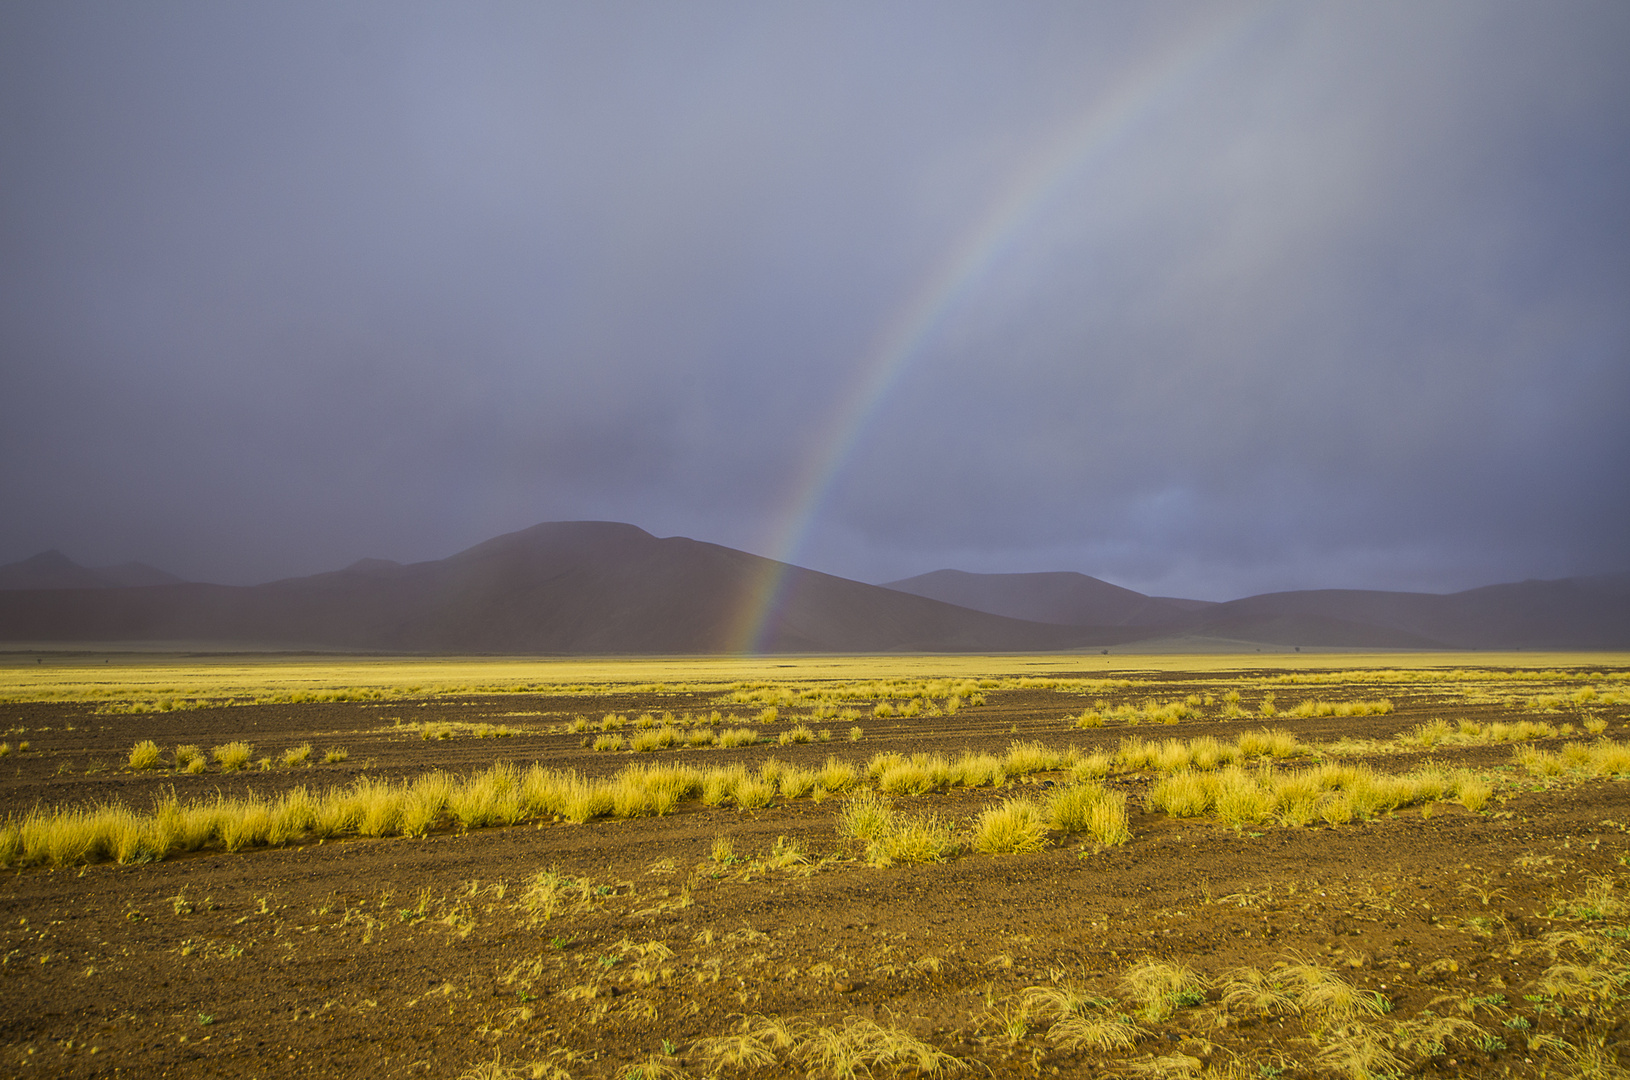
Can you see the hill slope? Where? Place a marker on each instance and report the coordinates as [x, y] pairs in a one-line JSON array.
[[1571, 613], [54, 570], [560, 587], [1064, 598]]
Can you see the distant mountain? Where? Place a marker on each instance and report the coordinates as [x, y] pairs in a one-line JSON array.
[[54, 570], [1064, 598], [1571, 613], [556, 588], [591, 587]]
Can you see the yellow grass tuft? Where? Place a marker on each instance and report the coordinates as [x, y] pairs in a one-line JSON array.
[[1089, 807], [1013, 827], [233, 755], [145, 755], [1161, 988]]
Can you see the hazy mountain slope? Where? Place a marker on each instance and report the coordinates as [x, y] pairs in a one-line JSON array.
[[135, 575], [50, 570], [54, 570], [563, 587], [1064, 598], [602, 587], [1571, 613]]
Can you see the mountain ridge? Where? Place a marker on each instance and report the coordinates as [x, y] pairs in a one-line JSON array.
[[555, 588], [575, 588], [54, 570]]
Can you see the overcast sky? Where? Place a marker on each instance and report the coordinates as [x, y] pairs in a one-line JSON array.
[[1205, 300]]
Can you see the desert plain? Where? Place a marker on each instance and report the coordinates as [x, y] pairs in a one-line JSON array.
[[1264, 865]]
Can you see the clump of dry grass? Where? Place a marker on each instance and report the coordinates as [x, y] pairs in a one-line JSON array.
[[648, 738], [189, 758], [1012, 827], [1081, 1020], [1161, 988], [1379, 707], [1204, 753], [1470, 733], [837, 775], [233, 755], [891, 837], [1089, 807], [1333, 793], [297, 755], [798, 733], [857, 1047], [1601, 758], [145, 755], [741, 736], [1328, 998]]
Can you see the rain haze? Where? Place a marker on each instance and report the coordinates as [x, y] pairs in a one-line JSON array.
[[1204, 300]]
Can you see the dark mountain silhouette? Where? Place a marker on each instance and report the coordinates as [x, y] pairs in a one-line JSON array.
[[563, 587], [606, 588], [54, 570], [1064, 598], [1571, 613]]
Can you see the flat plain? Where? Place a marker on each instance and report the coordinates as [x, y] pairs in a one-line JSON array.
[[1266, 865]]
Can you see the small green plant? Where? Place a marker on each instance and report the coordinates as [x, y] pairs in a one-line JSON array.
[[1162, 988], [723, 852], [205, 1019], [856, 733]]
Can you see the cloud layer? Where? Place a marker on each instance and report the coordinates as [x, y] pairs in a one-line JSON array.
[[1337, 299]]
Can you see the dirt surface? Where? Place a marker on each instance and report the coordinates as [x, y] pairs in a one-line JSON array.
[[420, 957]]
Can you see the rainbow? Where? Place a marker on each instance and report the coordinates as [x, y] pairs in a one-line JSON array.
[[913, 324]]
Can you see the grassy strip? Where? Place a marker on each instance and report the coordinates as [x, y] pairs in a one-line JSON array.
[[501, 795], [1013, 826], [917, 774], [1601, 758], [1332, 793]]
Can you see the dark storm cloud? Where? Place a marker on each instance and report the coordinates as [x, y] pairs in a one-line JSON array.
[[1343, 303]]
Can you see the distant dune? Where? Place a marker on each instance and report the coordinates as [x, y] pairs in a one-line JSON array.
[[605, 588]]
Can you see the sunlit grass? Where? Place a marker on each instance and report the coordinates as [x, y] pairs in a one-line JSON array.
[[1333, 793], [150, 679]]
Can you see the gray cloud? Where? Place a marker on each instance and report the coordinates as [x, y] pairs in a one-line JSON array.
[[1343, 304]]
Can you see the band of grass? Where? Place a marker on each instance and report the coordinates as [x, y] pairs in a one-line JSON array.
[[501, 795]]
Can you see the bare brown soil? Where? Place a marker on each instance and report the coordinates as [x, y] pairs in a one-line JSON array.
[[415, 957]]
